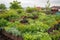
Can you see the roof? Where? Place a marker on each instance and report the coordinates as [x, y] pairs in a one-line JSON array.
[[58, 7]]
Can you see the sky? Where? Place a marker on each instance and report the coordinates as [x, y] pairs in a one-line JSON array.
[[32, 3]]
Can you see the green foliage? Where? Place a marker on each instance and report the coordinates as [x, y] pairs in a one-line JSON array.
[[2, 7], [13, 31], [29, 31], [15, 5], [3, 22], [10, 15], [35, 29], [11, 28], [55, 35], [30, 10], [57, 17], [50, 20], [19, 11], [36, 36]]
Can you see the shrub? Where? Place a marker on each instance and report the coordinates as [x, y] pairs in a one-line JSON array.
[[10, 15]]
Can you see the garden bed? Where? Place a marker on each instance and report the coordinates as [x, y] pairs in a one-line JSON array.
[[6, 36]]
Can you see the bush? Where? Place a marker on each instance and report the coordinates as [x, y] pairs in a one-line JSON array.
[[10, 15]]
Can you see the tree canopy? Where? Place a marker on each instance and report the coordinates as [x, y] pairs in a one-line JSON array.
[[15, 5], [2, 6]]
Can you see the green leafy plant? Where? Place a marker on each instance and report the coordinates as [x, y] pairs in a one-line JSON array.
[[19, 11], [3, 22], [57, 17], [30, 9], [13, 31], [10, 15], [55, 35], [36, 36]]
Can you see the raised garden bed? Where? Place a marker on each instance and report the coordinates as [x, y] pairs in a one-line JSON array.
[[6, 36]]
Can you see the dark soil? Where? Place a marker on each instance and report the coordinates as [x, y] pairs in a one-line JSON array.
[[56, 27], [24, 21]]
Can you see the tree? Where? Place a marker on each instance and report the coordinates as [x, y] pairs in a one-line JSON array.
[[15, 5], [48, 5], [2, 6]]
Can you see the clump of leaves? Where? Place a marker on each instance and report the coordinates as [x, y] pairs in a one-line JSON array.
[[30, 10], [55, 35], [13, 31], [9, 13], [19, 11], [3, 22], [11, 28], [36, 36], [57, 17]]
